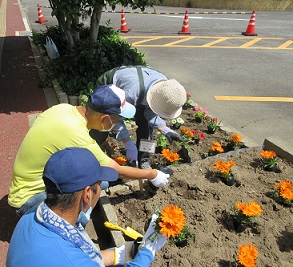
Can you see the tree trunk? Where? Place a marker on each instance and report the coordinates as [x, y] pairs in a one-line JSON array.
[[94, 27]]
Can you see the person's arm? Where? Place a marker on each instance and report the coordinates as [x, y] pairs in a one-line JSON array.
[[156, 177], [108, 257]]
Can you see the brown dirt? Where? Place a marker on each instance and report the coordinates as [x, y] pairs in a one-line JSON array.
[[207, 203]]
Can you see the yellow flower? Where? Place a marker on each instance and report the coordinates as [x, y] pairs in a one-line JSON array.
[[247, 255]]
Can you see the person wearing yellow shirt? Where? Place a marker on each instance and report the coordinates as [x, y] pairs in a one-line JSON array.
[[63, 126]]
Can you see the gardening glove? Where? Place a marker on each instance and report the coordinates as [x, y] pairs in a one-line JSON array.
[[123, 253], [161, 179], [171, 135], [159, 240], [131, 151]]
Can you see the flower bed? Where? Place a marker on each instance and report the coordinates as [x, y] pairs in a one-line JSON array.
[[208, 206]]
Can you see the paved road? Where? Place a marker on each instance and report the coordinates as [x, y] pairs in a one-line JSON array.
[[217, 60]]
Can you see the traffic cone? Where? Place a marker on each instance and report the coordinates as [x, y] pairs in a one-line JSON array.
[[251, 25], [41, 18], [123, 27], [185, 26]]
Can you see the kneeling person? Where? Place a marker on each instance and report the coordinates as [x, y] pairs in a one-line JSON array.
[[52, 233]]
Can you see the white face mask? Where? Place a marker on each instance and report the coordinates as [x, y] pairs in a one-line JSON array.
[[84, 217], [108, 130]]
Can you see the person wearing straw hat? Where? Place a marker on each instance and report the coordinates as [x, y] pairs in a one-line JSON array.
[[155, 97], [52, 234], [62, 126]]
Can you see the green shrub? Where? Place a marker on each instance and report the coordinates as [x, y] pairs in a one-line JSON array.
[[78, 67]]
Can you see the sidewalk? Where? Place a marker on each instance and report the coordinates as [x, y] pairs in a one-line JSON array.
[[20, 96]]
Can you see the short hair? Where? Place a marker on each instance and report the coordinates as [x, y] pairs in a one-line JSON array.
[[64, 201]]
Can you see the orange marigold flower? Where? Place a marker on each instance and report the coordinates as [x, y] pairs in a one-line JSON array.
[[121, 160], [172, 221], [267, 154], [224, 167], [286, 193], [172, 157], [217, 147], [284, 184], [247, 255], [188, 132], [250, 209], [235, 138]]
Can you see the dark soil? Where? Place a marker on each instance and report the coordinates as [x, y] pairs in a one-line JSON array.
[[207, 203]]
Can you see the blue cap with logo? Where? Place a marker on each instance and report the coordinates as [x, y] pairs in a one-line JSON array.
[[72, 169], [110, 99]]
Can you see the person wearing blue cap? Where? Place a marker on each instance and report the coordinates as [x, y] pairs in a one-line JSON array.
[[155, 97], [62, 126], [52, 234]]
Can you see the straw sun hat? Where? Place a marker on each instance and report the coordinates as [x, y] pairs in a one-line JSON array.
[[166, 98]]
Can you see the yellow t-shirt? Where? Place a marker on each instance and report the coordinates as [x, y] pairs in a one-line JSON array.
[[59, 127]]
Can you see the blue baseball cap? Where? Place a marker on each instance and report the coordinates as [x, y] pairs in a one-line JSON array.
[[110, 99], [72, 169]]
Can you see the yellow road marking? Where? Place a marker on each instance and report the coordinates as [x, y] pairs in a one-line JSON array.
[[285, 45], [255, 98], [210, 44], [255, 40], [216, 41], [179, 41]]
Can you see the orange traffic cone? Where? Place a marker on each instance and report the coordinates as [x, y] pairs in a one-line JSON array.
[[41, 18], [123, 27], [251, 25], [185, 27]]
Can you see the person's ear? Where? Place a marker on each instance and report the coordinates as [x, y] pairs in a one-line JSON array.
[[86, 195]]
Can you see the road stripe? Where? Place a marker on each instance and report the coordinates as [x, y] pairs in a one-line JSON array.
[[254, 98], [249, 44]]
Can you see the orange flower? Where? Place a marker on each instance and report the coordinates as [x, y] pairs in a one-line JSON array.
[[121, 160], [171, 157], [247, 255], [172, 221], [187, 132], [235, 138], [217, 147], [224, 167], [286, 193], [283, 185], [267, 154], [250, 209]]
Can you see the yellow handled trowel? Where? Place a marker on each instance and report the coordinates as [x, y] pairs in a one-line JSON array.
[[128, 231]]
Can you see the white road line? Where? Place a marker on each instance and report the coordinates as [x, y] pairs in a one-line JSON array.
[[196, 17]]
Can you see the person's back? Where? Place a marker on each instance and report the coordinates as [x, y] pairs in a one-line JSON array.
[[58, 127], [46, 248]]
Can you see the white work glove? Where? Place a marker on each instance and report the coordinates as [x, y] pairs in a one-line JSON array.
[[119, 255], [161, 179], [131, 151], [159, 239], [171, 135]]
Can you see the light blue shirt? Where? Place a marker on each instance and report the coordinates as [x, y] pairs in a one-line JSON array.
[[128, 80]]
